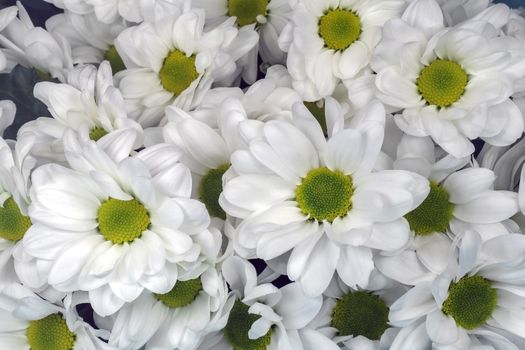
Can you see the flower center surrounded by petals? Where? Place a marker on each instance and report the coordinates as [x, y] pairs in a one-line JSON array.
[[13, 224], [115, 60], [236, 330], [360, 313], [178, 72], [211, 188], [325, 194], [51, 332], [339, 28], [97, 133], [247, 11], [442, 83], [434, 214], [317, 110], [182, 294], [122, 221], [471, 301]]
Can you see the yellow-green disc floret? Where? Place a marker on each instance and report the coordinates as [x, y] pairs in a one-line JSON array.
[[178, 72], [48, 333], [339, 28], [247, 11], [319, 115], [13, 224], [115, 60], [442, 82], [236, 330], [471, 301], [325, 194], [97, 133], [434, 214], [182, 294], [360, 313], [122, 221], [211, 188]]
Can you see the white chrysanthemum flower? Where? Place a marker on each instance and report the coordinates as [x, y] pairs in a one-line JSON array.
[[15, 170], [332, 40], [176, 65], [178, 319], [23, 43], [89, 104], [315, 203], [453, 84], [32, 323], [113, 227], [263, 316], [358, 319], [90, 40], [265, 17], [480, 294]]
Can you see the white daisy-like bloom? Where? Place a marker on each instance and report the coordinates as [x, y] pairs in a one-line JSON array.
[[175, 66], [265, 17], [30, 322], [23, 43], [15, 170], [480, 294], [90, 40], [88, 104], [262, 316], [453, 84], [114, 225], [315, 203], [459, 200], [358, 319], [329, 41], [178, 319]]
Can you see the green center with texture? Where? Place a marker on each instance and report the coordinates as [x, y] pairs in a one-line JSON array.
[[434, 214], [442, 83], [178, 72], [122, 221], [97, 133], [471, 301], [211, 188], [319, 114], [182, 294], [13, 224], [49, 333], [360, 313], [339, 28], [236, 330], [115, 60], [325, 194], [247, 11]]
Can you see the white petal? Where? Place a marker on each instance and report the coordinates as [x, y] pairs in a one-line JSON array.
[[488, 207], [464, 185], [345, 151], [355, 265], [441, 328], [389, 236], [297, 309], [415, 303]]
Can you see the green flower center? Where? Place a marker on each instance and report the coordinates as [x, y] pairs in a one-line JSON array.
[[51, 332], [182, 294], [236, 330], [115, 60], [339, 28], [442, 83], [13, 224], [96, 133], [211, 188], [434, 214], [247, 11], [122, 221], [319, 115], [360, 313], [325, 194], [178, 72], [471, 301]]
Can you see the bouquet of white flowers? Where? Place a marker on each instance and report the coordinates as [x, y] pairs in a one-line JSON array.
[[263, 175]]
